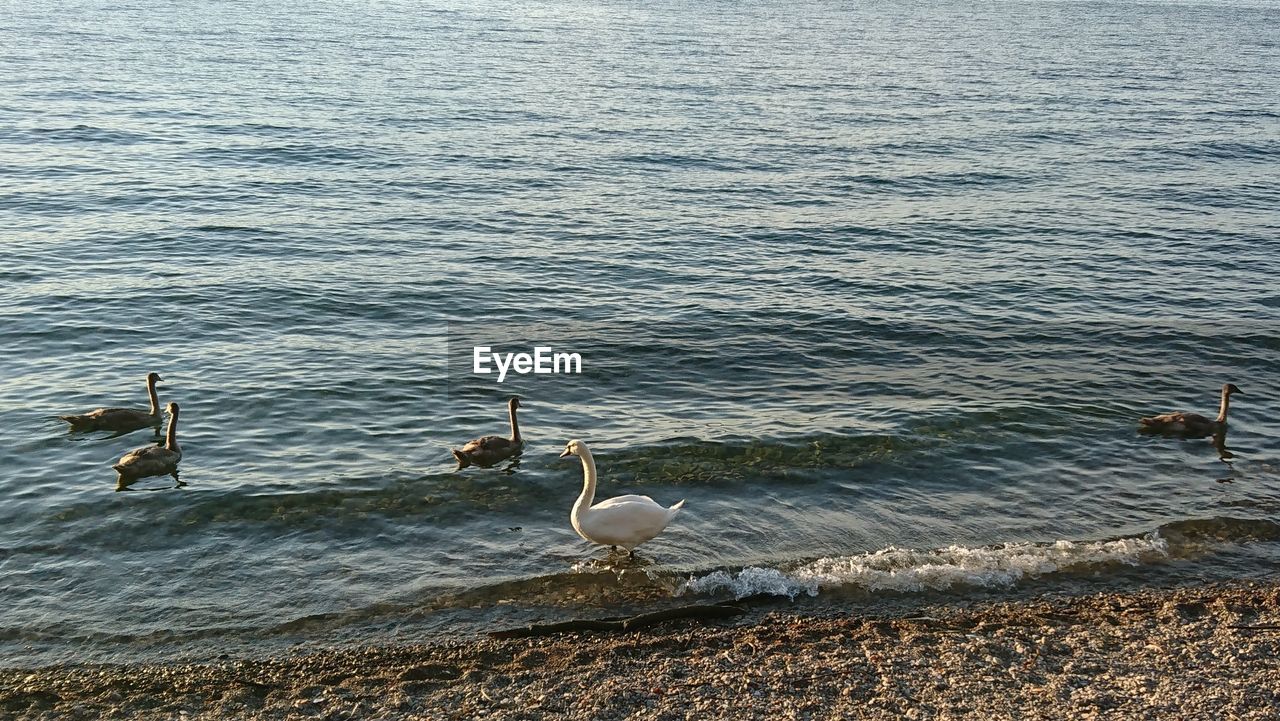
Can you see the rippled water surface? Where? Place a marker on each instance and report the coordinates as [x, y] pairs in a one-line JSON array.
[[880, 288]]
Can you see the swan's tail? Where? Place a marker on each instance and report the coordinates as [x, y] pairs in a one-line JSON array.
[[75, 421], [463, 460], [673, 510]]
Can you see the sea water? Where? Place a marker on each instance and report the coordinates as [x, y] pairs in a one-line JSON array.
[[879, 288]]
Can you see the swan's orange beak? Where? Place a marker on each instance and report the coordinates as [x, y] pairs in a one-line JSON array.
[[566, 453]]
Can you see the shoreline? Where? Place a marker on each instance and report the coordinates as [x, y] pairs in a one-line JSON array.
[[1201, 651]]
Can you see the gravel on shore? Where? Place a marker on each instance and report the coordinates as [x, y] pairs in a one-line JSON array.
[[1200, 652]]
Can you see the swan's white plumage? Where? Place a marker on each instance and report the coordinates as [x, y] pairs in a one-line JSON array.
[[625, 521]]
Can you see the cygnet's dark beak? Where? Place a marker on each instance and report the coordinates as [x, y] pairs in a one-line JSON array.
[[566, 453]]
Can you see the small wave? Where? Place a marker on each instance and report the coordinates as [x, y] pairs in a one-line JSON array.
[[913, 571], [297, 154], [89, 134]]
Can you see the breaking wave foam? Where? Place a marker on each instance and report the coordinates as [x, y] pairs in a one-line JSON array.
[[906, 570]]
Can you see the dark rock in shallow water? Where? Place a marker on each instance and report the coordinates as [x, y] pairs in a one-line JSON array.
[[634, 623]]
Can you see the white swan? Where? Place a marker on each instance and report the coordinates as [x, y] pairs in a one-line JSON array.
[[152, 460], [626, 521]]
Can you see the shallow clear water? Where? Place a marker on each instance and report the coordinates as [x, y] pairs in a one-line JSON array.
[[879, 288]]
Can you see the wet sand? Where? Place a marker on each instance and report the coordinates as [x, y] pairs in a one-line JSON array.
[[1201, 652]]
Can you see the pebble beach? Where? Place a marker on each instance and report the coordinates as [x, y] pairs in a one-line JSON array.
[[1192, 652]]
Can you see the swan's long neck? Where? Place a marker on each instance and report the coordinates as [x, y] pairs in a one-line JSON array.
[[1226, 403], [515, 427], [588, 482], [171, 436], [151, 393]]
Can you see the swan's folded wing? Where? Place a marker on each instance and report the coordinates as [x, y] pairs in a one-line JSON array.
[[624, 501], [120, 418], [151, 460], [137, 455], [487, 443], [625, 524], [97, 413], [1165, 419]]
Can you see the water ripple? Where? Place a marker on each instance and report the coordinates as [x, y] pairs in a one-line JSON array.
[[843, 292]]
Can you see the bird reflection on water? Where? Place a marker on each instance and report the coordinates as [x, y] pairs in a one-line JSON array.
[[127, 485]]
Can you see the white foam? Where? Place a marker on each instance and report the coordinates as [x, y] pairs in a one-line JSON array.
[[906, 570], [752, 581]]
